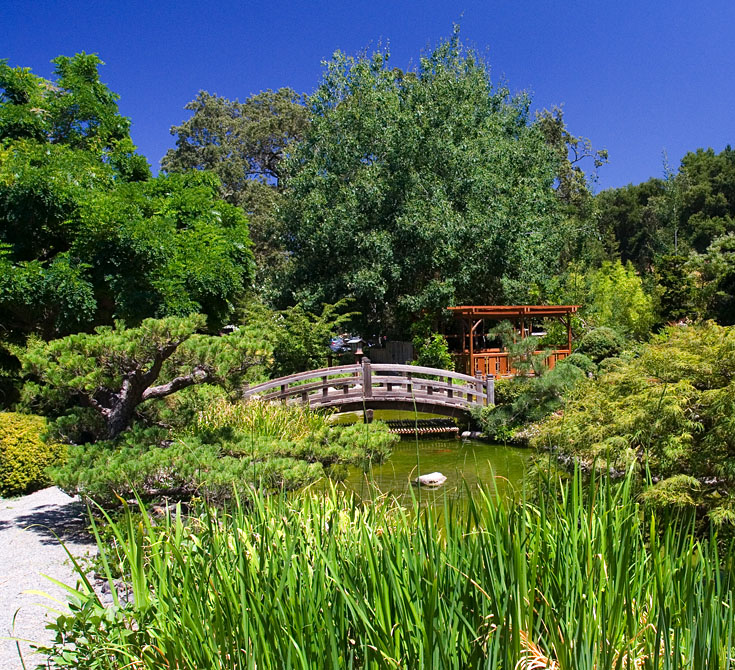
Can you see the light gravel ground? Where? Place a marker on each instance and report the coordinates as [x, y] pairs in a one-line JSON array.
[[28, 550]]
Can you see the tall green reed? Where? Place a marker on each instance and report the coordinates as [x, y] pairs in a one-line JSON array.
[[264, 419], [581, 579]]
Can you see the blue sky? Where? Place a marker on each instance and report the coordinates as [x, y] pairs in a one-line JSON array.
[[637, 78]]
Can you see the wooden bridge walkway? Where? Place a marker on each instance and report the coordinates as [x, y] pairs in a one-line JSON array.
[[349, 388]]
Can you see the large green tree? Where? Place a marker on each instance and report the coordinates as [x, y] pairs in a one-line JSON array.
[[86, 236], [244, 144], [574, 187], [415, 190]]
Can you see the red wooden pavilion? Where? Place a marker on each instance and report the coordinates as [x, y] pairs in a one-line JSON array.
[[475, 354]]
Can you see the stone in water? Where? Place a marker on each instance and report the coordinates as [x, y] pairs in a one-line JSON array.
[[433, 479]]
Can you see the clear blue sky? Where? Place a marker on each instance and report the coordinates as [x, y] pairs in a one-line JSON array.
[[636, 78]]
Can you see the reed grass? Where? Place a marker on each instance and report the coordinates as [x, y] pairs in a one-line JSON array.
[[264, 419], [579, 580]]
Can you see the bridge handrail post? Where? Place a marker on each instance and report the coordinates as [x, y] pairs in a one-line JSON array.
[[367, 379], [490, 387], [479, 390]]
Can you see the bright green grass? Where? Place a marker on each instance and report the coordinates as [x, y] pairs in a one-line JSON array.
[[580, 580]]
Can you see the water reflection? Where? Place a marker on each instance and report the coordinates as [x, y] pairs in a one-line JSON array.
[[465, 463]]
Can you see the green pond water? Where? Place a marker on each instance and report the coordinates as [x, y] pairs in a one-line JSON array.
[[465, 463]]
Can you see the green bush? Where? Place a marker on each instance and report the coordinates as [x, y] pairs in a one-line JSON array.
[[617, 299], [530, 399], [581, 361], [601, 343], [668, 412], [507, 390], [231, 448], [432, 351], [24, 456]]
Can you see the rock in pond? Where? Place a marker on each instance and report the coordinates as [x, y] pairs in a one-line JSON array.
[[433, 479]]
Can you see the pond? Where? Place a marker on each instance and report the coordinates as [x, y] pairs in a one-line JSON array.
[[465, 464]]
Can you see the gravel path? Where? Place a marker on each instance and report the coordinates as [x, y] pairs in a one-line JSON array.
[[28, 550]]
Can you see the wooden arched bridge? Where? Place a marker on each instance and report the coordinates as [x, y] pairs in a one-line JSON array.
[[349, 388]]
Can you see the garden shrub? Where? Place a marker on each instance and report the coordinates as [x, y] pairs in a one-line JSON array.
[[528, 400], [618, 300], [230, 449], [507, 389], [668, 411], [432, 351], [581, 361], [601, 343], [24, 455]]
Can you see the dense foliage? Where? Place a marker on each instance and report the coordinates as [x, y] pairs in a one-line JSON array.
[[524, 400], [24, 455], [680, 230], [432, 351], [86, 236], [667, 412], [228, 449], [95, 383], [301, 338], [244, 144], [583, 580], [415, 190], [600, 343]]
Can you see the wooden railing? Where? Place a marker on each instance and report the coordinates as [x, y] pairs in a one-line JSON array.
[[349, 386], [496, 363]]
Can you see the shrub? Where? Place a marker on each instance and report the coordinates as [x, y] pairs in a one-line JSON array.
[[584, 363], [432, 351], [617, 300], [229, 449], [601, 343], [538, 397], [669, 411], [24, 456], [507, 390]]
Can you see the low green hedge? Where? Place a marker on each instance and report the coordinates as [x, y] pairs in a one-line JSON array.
[[24, 456]]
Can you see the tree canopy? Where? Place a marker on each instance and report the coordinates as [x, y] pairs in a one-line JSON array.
[[415, 190], [244, 144], [86, 236]]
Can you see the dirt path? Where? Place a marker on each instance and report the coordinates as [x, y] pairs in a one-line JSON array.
[[28, 550]]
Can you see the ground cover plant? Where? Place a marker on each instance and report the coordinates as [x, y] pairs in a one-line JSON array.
[[580, 580]]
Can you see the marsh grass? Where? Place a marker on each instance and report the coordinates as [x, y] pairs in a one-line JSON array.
[[579, 580], [264, 419]]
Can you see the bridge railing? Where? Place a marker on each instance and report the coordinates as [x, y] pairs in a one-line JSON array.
[[331, 387]]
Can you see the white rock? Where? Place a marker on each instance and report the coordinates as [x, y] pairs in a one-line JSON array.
[[433, 479]]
